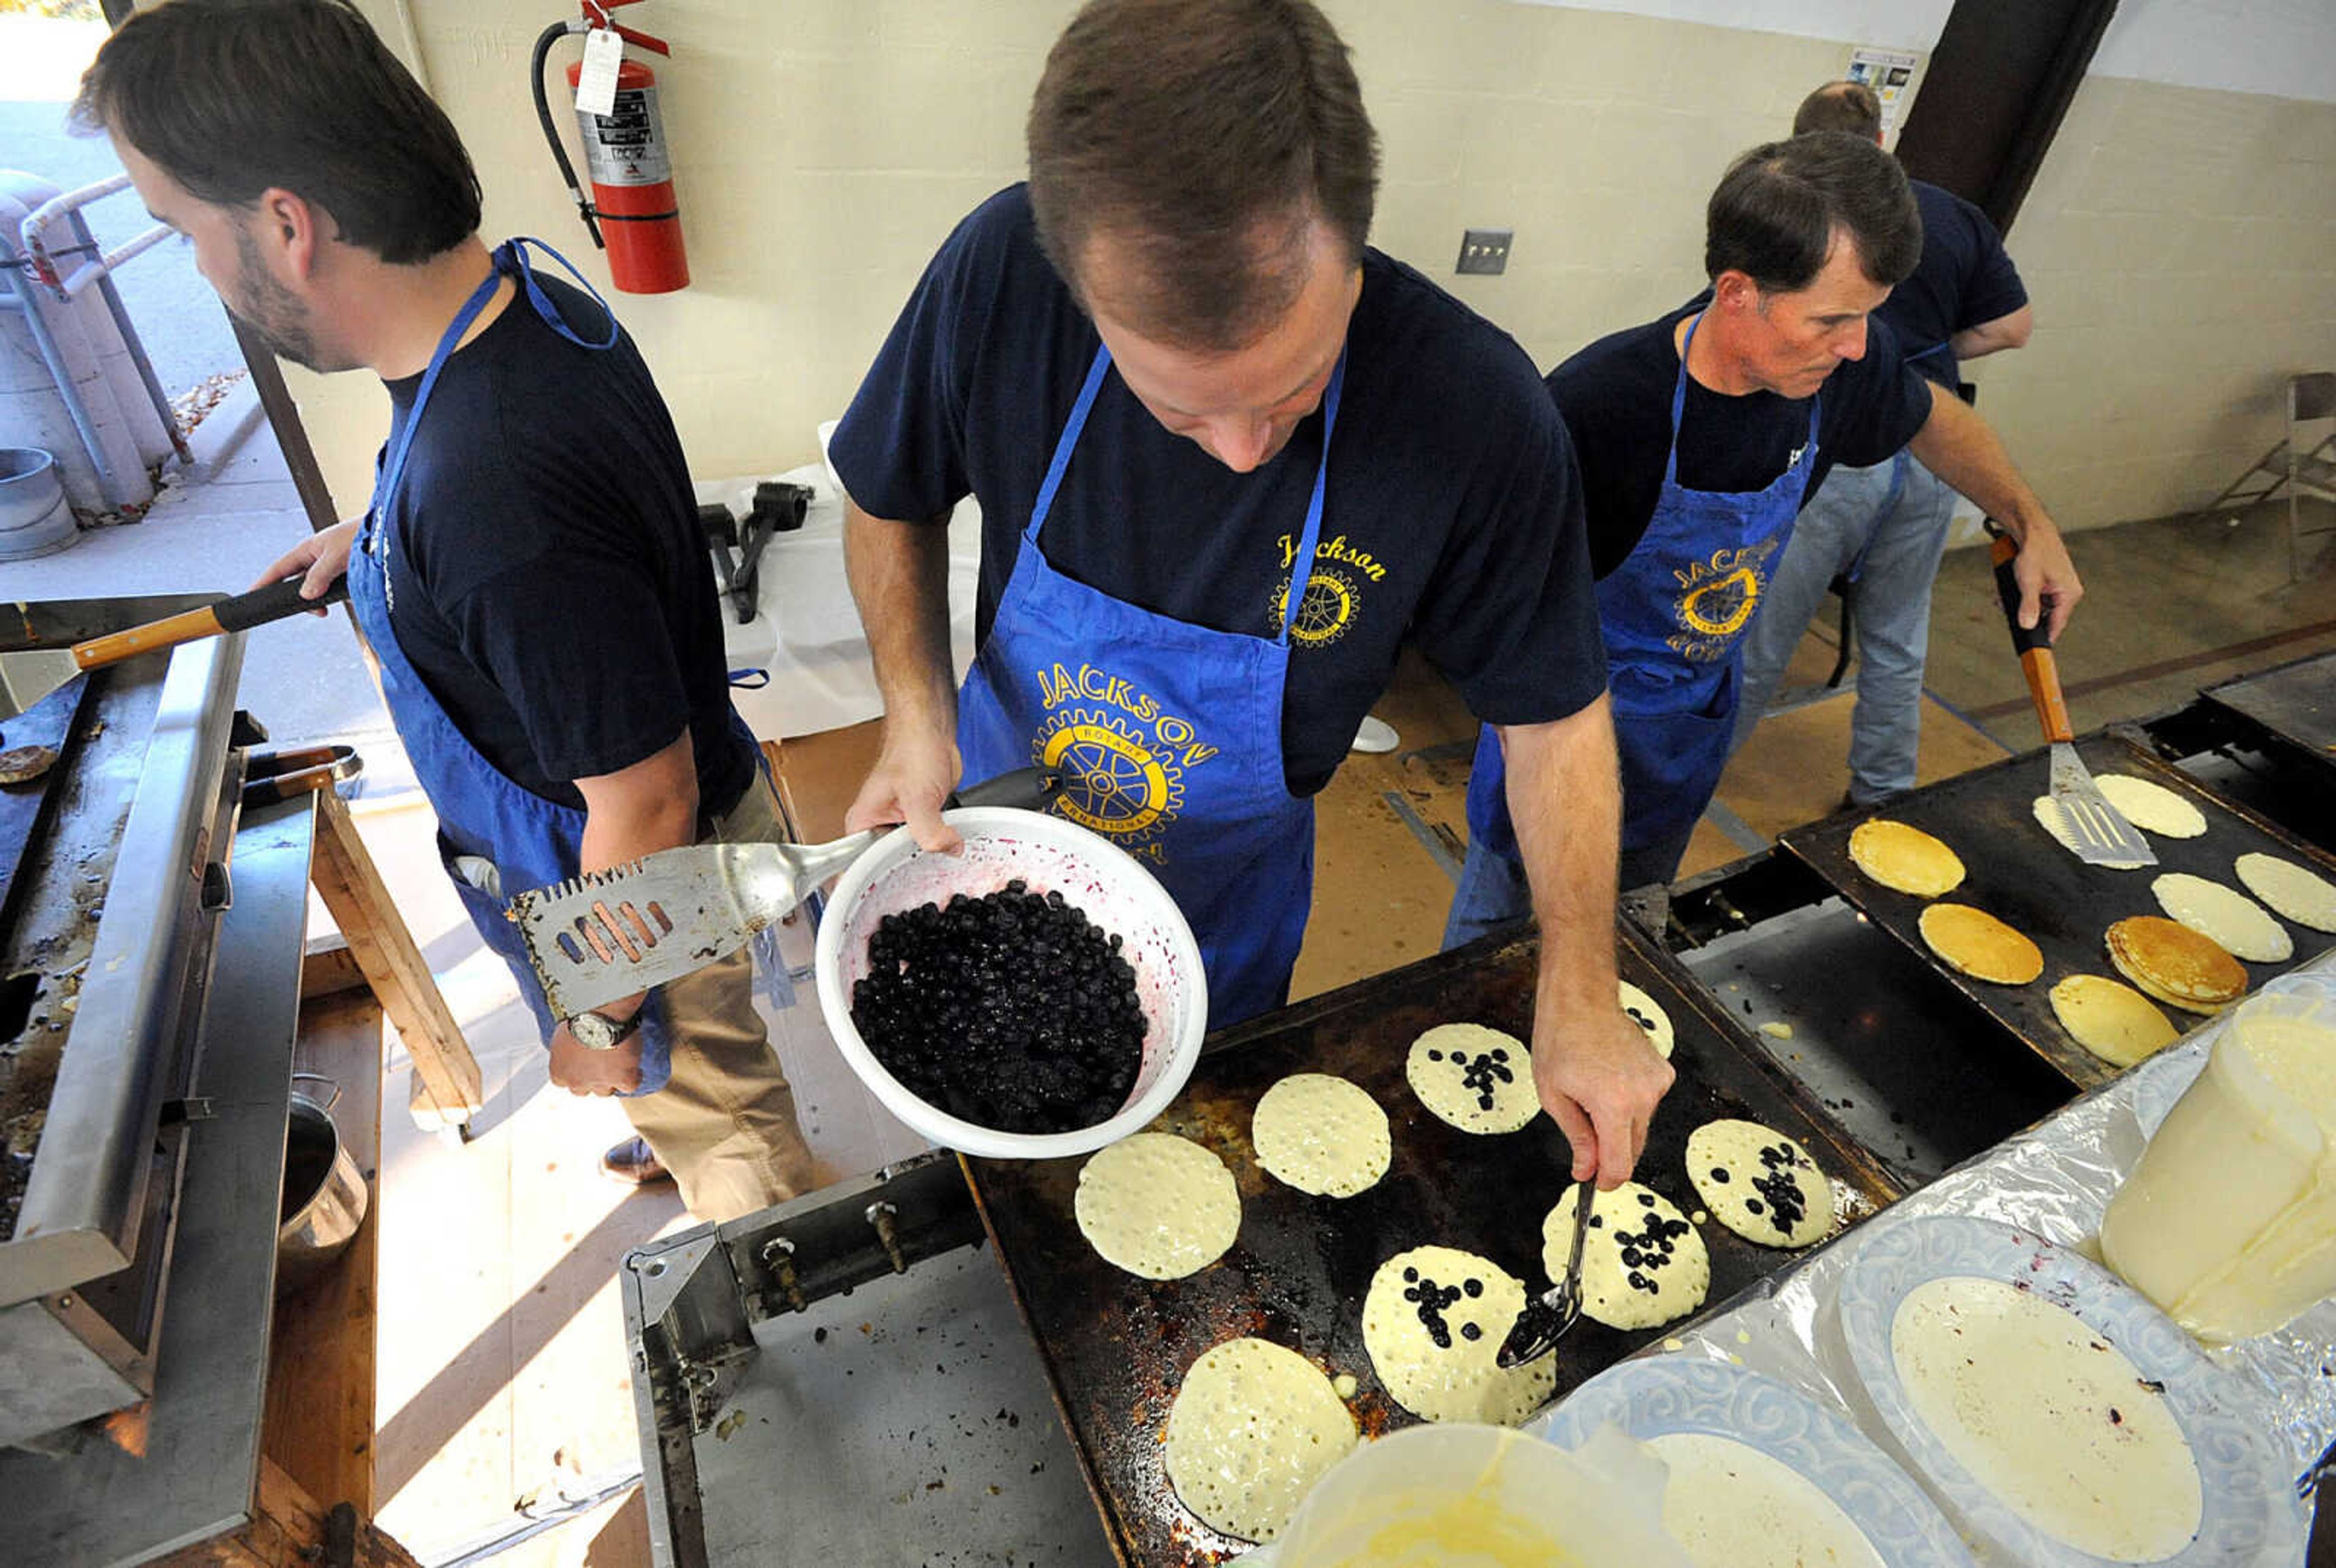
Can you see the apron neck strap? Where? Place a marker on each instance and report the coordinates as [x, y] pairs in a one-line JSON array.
[[393, 469], [1679, 409], [510, 257], [1066, 442], [1301, 568]]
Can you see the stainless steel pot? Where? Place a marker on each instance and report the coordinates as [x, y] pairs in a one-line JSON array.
[[325, 1196]]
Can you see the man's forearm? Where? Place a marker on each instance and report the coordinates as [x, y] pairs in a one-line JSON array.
[[638, 811], [1565, 798], [899, 573], [1959, 447], [2010, 330]]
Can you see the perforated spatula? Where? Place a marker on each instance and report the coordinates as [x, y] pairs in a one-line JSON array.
[[1547, 1317], [2095, 829], [610, 934]]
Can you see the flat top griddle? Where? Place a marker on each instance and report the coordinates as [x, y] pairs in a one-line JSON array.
[[2019, 873], [1116, 1347], [2295, 703]]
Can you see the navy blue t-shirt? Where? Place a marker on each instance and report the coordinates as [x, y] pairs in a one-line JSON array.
[[549, 584], [1616, 397], [1452, 514], [1963, 279]]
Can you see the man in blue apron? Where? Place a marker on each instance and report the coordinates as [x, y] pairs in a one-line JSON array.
[[1700, 436], [1883, 527], [1229, 458], [530, 576]]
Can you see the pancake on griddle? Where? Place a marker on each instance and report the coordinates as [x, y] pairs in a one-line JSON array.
[[2302, 896], [2115, 1022], [2168, 960], [1975, 942], [1904, 858]]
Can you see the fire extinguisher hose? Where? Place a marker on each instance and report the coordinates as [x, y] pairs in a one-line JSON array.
[[543, 42]]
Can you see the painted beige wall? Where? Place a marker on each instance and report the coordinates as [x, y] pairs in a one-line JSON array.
[[820, 163], [2180, 247]]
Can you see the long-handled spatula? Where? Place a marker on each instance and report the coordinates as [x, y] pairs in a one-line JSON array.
[[610, 934], [2095, 829], [1547, 1317]]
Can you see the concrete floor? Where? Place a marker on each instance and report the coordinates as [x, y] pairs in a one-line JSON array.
[[502, 1386]]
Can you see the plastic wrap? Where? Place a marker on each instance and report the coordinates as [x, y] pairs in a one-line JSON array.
[[2053, 1180]]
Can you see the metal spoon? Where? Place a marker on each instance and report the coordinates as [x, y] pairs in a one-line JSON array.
[[1547, 1317]]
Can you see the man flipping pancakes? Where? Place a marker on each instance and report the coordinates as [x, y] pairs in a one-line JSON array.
[[1700, 435]]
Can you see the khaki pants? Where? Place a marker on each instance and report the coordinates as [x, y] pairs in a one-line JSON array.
[[724, 1125]]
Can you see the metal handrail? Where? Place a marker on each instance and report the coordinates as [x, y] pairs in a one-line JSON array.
[[43, 259], [39, 267]]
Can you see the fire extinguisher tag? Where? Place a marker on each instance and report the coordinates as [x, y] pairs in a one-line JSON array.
[[596, 90], [626, 146]]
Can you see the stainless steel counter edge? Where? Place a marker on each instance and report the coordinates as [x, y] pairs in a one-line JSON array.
[[84, 1207], [100, 1507]]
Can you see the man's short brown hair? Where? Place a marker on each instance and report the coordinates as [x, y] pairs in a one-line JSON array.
[[230, 98], [1849, 107], [1204, 136]]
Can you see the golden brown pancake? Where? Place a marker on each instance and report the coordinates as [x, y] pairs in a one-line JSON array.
[[1904, 858], [2168, 960], [1977, 944], [2115, 1022]]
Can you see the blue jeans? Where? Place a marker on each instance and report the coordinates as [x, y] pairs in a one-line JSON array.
[[1885, 526], [1493, 892]]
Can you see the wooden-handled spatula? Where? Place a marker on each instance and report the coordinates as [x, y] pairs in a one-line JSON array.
[[2095, 829]]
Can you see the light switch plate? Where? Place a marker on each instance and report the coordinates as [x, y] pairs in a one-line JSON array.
[[1485, 250]]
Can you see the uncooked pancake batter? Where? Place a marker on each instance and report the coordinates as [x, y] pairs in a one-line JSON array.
[[1158, 1206], [2048, 1415], [1642, 1265], [1433, 1322], [2236, 922], [1649, 1015], [1759, 1183], [1321, 1135], [2151, 807], [2300, 895], [1478, 1079], [1253, 1427], [1732, 1506]]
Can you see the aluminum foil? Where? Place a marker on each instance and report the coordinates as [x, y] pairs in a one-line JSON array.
[[2053, 1180]]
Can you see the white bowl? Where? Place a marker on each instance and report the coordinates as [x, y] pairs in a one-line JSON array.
[[1106, 883]]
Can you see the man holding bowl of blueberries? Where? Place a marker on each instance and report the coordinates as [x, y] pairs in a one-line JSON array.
[[1228, 457]]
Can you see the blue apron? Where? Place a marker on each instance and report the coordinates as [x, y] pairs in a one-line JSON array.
[[483, 815], [1168, 737], [1673, 616]]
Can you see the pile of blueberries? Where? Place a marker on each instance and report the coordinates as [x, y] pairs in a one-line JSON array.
[[1011, 1010]]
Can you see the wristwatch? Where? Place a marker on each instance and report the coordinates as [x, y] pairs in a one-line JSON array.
[[600, 1032]]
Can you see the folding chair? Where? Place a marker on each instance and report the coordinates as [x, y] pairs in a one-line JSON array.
[[2291, 466]]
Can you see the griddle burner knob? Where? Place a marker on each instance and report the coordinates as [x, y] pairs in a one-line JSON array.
[[219, 889]]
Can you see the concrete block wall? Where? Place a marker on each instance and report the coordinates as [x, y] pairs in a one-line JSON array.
[[2177, 239]]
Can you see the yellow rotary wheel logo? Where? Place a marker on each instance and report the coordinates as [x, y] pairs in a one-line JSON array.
[[1722, 606], [1324, 613], [1114, 782]]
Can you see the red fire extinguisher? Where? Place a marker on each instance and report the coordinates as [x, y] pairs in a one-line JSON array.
[[632, 212]]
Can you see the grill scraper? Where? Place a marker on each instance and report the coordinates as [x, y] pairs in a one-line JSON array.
[[2096, 830], [610, 934]]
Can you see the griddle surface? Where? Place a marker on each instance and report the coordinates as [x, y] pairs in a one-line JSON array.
[[2020, 875], [1116, 1347], [2296, 703]]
